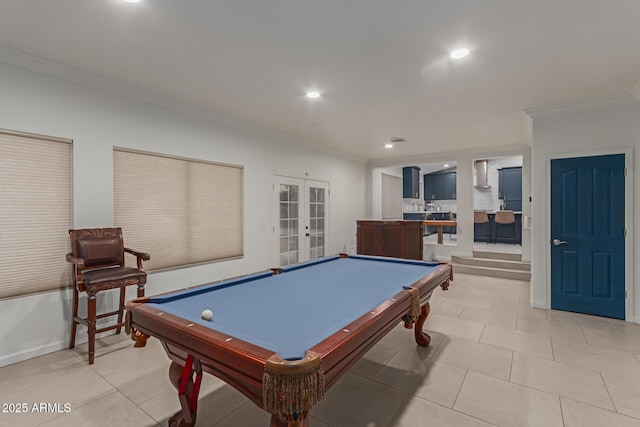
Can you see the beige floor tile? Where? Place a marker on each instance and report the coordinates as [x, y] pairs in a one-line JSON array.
[[29, 373], [522, 342], [374, 360], [593, 357], [447, 308], [217, 400], [250, 415], [124, 355], [77, 389], [434, 381], [561, 330], [461, 290], [403, 339], [585, 385], [496, 295], [357, 401], [577, 414], [489, 317], [104, 346], [612, 339], [472, 300], [143, 380], [121, 412], [507, 404], [522, 310], [481, 282], [579, 319], [625, 393], [482, 358], [419, 412], [454, 327], [625, 327]]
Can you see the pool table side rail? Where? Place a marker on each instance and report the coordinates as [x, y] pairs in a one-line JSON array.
[[241, 364], [217, 353], [341, 350]]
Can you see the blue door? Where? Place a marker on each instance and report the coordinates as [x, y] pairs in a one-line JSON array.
[[587, 235]]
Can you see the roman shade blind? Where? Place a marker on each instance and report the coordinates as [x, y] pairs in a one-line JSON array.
[[35, 213], [181, 211]]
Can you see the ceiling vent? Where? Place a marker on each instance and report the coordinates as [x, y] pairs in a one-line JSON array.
[[482, 167]]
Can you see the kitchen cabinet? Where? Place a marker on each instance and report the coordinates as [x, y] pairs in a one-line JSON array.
[[411, 182], [510, 188], [400, 239], [440, 186], [414, 216]]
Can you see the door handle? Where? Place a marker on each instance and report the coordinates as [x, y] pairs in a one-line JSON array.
[[557, 242]]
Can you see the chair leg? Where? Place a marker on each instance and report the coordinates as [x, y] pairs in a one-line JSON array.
[[120, 308], [91, 326], [74, 314]]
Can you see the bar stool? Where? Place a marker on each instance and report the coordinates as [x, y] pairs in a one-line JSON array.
[[97, 258], [506, 220], [481, 226]]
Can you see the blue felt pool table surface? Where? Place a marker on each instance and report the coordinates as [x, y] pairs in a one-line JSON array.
[[290, 312]]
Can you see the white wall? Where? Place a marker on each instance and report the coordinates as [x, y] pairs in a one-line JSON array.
[[610, 125], [97, 120]]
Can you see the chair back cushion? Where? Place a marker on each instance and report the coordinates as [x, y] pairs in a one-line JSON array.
[[480, 217], [101, 247], [505, 217]]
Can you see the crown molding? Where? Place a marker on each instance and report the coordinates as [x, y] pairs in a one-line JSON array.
[[583, 105], [73, 75]]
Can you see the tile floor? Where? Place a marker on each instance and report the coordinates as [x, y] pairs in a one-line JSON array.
[[493, 360]]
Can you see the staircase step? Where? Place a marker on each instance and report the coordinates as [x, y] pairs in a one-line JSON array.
[[492, 263], [497, 255], [492, 272]]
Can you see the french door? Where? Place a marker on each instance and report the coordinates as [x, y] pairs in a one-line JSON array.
[[302, 212]]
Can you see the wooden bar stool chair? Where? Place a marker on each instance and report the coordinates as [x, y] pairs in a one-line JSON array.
[[482, 226], [452, 217], [97, 255], [506, 220]]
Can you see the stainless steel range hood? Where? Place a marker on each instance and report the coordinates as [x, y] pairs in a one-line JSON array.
[[482, 167]]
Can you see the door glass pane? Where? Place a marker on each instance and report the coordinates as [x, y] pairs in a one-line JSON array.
[[288, 224], [316, 222]]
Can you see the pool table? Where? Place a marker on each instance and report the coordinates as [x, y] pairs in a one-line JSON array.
[[284, 336]]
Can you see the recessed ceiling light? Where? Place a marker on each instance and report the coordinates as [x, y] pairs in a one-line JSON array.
[[445, 165], [313, 94], [459, 53], [388, 145], [132, 1]]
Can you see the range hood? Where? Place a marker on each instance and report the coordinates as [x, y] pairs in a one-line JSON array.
[[481, 174]]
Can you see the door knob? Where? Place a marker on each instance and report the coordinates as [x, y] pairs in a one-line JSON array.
[[557, 242]]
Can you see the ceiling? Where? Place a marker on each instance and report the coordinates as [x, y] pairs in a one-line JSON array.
[[382, 67]]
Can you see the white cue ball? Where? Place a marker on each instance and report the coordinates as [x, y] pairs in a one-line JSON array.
[[207, 315]]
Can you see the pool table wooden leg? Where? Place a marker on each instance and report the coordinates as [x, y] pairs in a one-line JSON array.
[[422, 338], [182, 379]]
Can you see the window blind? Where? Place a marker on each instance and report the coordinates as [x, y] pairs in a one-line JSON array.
[[181, 211], [35, 213]]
